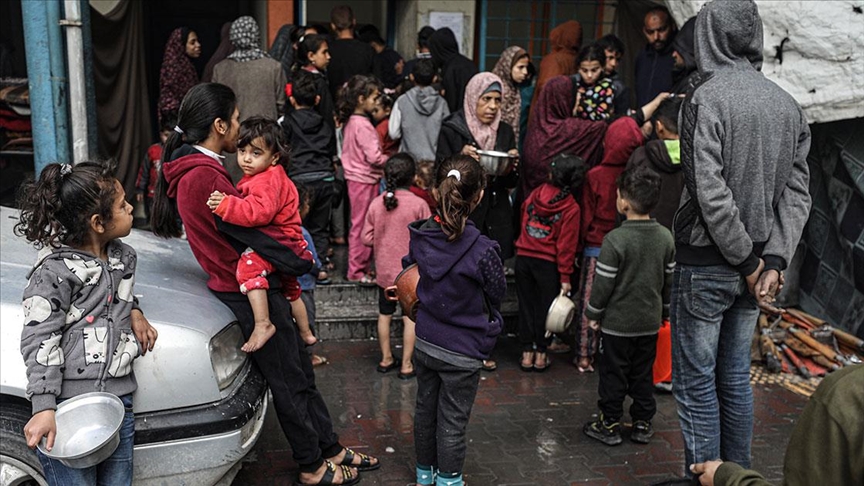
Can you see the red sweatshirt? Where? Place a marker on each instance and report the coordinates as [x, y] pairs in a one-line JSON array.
[[388, 145], [267, 198], [550, 231], [216, 244], [598, 194]]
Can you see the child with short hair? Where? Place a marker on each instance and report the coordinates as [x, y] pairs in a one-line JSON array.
[[311, 140], [629, 300], [595, 94], [148, 171], [460, 290], [386, 231], [381, 118], [417, 115], [363, 161], [546, 254], [267, 197], [81, 332]]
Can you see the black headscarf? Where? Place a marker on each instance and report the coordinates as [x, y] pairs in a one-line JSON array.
[[685, 45], [456, 69]]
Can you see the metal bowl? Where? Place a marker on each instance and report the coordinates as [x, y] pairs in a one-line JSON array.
[[88, 429], [496, 163], [560, 314]]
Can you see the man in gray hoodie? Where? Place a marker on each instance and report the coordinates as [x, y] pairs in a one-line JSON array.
[[744, 144]]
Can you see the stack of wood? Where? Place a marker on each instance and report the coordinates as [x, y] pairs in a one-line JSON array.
[[796, 342]]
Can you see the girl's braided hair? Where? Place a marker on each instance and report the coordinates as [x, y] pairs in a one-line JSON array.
[[568, 172], [398, 172]]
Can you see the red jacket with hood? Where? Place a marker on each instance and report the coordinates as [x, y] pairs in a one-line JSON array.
[[550, 231], [217, 245], [598, 195]]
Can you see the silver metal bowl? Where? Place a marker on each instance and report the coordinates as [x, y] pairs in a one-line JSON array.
[[88, 429], [496, 163]]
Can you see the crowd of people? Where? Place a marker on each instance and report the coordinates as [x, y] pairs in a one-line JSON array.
[[333, 138]]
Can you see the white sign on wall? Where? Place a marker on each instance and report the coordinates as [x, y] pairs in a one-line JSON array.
[[454, 20]]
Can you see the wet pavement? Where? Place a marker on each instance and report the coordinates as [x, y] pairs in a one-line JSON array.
[[525, 429]]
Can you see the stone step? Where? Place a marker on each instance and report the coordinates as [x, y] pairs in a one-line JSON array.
[[346, 311]]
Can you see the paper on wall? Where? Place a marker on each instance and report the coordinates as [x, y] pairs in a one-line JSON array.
[[454, 20]]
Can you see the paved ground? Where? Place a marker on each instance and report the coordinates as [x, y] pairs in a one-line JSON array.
[[525, 428]]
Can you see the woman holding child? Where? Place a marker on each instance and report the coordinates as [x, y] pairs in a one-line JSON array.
[[208, 124]]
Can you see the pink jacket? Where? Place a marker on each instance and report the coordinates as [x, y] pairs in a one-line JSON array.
[[387, 232], [362, 157]]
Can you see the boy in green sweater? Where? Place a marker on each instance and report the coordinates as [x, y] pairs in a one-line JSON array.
[[630, 298]]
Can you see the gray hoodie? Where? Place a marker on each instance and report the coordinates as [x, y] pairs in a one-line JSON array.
[[416, 118], [744, 145], [77, 335]]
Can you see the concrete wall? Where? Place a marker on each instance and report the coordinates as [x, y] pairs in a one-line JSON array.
[[411, 15], [823, 56]]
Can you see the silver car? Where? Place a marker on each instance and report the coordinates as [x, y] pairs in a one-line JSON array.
[[200, 404]]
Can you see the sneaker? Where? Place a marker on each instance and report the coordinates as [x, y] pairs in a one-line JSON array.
[[642, 431], [605, 431], [664, 387]]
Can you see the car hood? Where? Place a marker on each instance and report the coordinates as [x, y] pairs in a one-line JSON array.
[[173, 295]]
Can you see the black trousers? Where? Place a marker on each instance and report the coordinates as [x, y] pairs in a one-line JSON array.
[[445, 396], [626, 369], [537, 285], [317, 221], [286, 366]]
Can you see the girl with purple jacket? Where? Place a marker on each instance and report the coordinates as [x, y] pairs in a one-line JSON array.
[[460, 290]]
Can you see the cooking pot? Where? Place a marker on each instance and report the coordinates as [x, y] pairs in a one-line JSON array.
[[88, 429], [560, 314], [404, 290]]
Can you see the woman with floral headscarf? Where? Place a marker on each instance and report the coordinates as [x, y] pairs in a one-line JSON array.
[[256, 78], [178, 74], [513, 70], [478, 126]]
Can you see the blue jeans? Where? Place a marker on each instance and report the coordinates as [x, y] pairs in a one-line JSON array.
[[713, 317], [114, 471]]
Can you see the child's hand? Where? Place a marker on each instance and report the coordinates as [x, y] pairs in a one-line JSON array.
[[144, 332], [576, 109], [593, 324], [139, 196], [216, 197], [40, 425], [566, 288]]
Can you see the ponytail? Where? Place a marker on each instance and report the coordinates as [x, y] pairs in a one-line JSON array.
[[567, 172], [460, 179], [56, 209], [306, 44], [201, 106], [398, 172]]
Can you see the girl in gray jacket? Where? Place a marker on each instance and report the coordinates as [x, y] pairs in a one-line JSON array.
[[82, 324]]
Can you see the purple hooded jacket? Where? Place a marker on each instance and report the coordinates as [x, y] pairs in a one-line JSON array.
[[460, 290]]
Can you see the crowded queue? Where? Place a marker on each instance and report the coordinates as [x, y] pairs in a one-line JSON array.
[[555, 178]]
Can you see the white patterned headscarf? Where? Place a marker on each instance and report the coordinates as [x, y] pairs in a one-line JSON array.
[[246, 38]]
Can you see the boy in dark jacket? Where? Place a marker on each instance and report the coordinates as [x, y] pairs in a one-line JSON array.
[[311, 159], [630, 297]]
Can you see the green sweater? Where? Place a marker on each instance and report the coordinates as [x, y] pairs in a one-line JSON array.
[[827, 445], [632, 279]]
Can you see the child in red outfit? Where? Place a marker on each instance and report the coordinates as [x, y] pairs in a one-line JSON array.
[[598, 218], [546, 254], [148, 171], [268, 198]]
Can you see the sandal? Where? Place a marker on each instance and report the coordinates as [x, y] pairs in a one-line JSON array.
[[392, 366], [348, 477], [365, 464], [546, 364], [530, 366], [583, 365], [489, 365], [319, 360], [365, 281]]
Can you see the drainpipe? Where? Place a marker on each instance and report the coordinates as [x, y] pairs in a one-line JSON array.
[[77, 80], [47, 82]]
